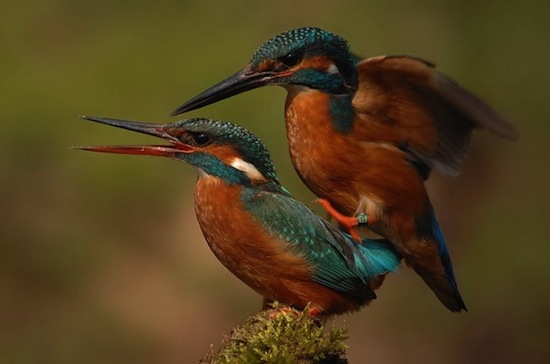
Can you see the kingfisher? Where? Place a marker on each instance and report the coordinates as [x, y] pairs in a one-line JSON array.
[[270, 241], [364, 135]]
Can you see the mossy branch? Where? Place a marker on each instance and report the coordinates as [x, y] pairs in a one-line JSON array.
[[281, 335]]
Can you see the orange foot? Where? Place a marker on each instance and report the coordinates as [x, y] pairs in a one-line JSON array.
[[347, 222], [314, 312], [278, 311]]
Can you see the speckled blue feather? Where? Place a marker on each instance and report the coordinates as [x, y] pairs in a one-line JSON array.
[[310, 43], [339, 262], [240, 138], [299, 39]]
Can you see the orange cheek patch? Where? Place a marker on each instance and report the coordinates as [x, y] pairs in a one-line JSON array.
[[266, 65], [224, 153], [319, 63]]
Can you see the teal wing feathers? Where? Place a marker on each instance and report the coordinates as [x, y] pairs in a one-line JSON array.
[[340, 263]]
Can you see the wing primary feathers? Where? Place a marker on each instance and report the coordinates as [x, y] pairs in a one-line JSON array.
[[474, 108]]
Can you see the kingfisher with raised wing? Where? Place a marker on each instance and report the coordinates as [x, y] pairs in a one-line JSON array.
[[270, 241], [364, 135]]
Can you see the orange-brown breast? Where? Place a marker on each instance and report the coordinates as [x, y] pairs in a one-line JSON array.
[[343, 168], [263, 262]]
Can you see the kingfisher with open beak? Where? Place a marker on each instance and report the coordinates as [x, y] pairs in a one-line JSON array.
[[364, 135], [270, 241]]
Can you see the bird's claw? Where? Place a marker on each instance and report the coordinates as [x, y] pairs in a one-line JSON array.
[[312, 312], [348, 223]]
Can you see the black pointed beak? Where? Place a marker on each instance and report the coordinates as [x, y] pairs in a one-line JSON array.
[[244, 80], [163, 131]]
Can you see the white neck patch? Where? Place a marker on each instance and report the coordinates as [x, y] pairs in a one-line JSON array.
[[247, 168], [332, 69]]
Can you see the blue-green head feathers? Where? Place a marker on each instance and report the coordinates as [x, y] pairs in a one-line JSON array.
[[214, 132], [312, 40], [290, 48], [339, 262]]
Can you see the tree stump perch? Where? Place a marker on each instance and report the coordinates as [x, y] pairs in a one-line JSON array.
[[281, 335]]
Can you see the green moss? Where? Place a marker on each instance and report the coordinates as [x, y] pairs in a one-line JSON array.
[[281, 335]]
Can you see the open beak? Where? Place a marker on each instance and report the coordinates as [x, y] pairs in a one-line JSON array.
[[158, 130], [244, 80]]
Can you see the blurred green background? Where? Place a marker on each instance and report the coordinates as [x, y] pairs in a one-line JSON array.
[[101, 257]]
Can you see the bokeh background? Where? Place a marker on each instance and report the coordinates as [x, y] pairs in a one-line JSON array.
[[101, 259]]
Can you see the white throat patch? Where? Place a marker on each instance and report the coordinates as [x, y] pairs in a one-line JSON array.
[[247, 168], [332, 69]]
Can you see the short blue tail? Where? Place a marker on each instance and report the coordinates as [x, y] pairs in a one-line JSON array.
[[453, 300], [444, 253], [376, 257]]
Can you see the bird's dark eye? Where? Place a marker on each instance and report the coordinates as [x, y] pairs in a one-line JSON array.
[[201, 138], [290, 59]]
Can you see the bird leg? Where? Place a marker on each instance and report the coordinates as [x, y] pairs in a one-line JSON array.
[[347, 222], [313, 311]]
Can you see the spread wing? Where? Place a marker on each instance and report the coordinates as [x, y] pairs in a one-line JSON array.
[[404, 101]]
